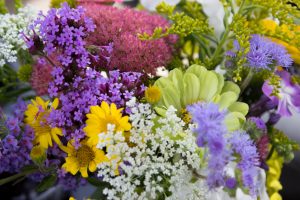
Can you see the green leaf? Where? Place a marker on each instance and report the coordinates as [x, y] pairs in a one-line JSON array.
[[46, 183], [24, 172], [98, 194], [95, 181], [3, 8]]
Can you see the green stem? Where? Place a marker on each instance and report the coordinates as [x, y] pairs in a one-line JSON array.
[[16, 176], [271, 152], [247, 80], [224, 38]]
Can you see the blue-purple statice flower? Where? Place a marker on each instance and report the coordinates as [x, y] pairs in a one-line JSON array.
[[288, 98], [224, 147], [248, 159], [211, 132], [263, 54], [16, 145]]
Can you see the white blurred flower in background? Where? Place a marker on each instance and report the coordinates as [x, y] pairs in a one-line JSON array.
[[151, 4], [215, 13]]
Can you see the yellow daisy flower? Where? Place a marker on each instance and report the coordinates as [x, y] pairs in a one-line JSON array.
[[152, 94], [100, 117], [85, 158], [36, 116], [38, 154]]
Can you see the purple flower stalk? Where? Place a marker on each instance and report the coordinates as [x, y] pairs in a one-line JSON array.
[[90, 89], [63, 30], [16, 146], [288, 98]]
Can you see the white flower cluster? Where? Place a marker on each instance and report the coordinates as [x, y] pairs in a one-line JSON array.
[[158, 160], [11, 25]]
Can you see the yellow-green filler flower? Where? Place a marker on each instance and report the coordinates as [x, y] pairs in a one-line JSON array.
[[197, 84]]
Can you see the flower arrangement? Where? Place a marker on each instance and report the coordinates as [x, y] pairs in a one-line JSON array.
[[99, 112]]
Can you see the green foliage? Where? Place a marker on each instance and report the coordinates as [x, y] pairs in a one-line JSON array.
[[3, 8], [18, 4], [176, 62], [282, 144], [46, 183], [182, 24], [240, 29], [24, 57], [279, 9], [3, 129], [27, 170], [24, 73], [296, 79], [10, 87], [254, 132], [57, 3]]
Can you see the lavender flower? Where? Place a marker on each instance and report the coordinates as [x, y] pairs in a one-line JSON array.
[[288, 98], [16, 145], [263, 54]]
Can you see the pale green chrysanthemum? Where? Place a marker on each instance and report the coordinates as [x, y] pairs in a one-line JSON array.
[[198, 84]]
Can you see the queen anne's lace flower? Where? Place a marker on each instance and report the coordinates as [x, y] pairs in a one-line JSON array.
[[159, 159], [11, 26]]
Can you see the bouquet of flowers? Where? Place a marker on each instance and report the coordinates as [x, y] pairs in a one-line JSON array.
[[172, 103]]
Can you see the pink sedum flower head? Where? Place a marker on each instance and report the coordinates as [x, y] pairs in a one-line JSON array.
[[41, 76], [288, 99], [120, 27]]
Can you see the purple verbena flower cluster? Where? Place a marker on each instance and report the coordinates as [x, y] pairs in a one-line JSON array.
[[76, 99], [263, 54], [16, 146], [224, 147], [64, 30]]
